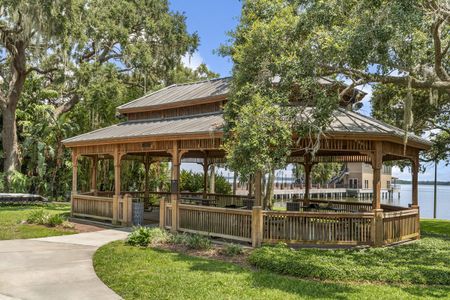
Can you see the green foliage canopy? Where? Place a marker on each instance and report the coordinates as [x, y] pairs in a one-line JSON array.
[[281, 49]]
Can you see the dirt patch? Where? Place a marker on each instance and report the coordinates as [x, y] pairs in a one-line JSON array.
[[214, 253], [81, 227]]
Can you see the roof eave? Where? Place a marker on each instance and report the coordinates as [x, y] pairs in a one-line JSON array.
[[147, 138]]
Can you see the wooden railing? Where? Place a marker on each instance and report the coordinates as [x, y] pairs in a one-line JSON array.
[[358, 224], [221, 200], [103, 208], [400, 225], [216, 221], [92, 206], [317, 228], [166, 214], [349, 206]]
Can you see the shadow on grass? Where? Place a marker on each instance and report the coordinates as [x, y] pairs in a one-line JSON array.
[[422, 262], [427, 292], [306, 287], [266, 280]]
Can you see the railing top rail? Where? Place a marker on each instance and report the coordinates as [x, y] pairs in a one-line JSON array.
[[96, 198], [402, 213], [340, 202], [394, 207], [319, 214], [235, 211]]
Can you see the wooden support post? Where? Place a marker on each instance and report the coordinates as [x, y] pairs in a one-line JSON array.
[[162, 213], [234, 183], [158, 172], [258, 190], [212, 180], [74, 179], [94, 175], [127, 202], [308, 168], [174, 188], [377, 228], [146, 179], [74, 172], [205, 177], [377, 163], [415, 189], [257, 226], [250, 186], [117, 162], [415, 182]]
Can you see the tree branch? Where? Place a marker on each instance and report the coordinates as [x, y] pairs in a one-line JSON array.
[[436, 33], [397, 80], [40, 71], [63, 108]]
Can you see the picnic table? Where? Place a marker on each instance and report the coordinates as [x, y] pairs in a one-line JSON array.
[[199, 201], [295, 206]]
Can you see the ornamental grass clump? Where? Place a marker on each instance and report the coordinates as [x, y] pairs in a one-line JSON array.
[[198, 242], [55, 220], [41, 217], [231, 249], [144, 236]]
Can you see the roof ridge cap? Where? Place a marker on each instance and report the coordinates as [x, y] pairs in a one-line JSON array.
[[202, 81]]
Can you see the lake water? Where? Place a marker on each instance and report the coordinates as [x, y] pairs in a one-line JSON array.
[[426, 198]]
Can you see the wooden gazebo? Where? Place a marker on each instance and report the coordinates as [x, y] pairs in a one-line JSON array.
[[183, 122]]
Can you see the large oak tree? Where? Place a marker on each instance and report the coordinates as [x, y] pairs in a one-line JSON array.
[[282, 49], [74, 45]]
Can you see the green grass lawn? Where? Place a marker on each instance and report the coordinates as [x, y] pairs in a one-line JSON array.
[[12, 216], [146, 273], [431, 226]]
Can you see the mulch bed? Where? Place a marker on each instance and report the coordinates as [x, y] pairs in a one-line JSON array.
[[80, 227], [213, 253]]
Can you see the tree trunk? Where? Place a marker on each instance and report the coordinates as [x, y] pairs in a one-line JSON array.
[[269, 190], [9, 106], [10, 144]]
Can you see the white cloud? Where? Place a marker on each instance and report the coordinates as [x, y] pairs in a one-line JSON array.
[[192, 61]]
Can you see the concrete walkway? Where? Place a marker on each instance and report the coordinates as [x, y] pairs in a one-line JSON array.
[[54, 267]]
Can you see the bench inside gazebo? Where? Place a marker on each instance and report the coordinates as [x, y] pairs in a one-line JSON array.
[[182, 123]]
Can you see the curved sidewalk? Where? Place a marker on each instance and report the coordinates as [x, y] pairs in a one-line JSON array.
[[57, 267]]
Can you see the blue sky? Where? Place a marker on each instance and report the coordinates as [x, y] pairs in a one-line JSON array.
[[212, 19]]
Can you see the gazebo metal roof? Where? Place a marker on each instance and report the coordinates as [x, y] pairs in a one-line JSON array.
[[178, 93], [344, 122]]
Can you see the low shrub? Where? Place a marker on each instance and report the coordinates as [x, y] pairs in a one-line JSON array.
[[39, 217], [231, 249], [178, 239], [198, 242], [421, 262], [192, 241], [144, 236], [42, 217], [55, 220]]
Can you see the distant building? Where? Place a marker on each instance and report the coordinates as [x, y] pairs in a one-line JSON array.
[[358, 180]]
